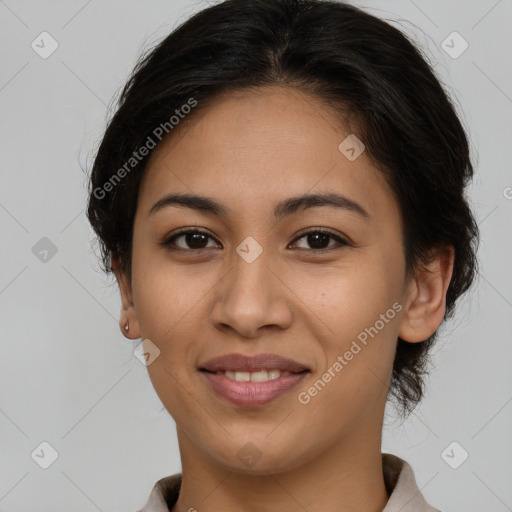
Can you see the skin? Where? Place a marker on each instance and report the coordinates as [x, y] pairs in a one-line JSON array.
[[250, 150]]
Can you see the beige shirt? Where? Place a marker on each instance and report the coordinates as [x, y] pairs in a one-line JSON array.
[[398, 477]]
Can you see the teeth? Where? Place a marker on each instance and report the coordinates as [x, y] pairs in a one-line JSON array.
[[261, 376]]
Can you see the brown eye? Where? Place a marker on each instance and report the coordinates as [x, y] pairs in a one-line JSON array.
[[318, 239], [192, 239], [195, 240]]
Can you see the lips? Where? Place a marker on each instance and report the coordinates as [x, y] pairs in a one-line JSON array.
[[257, 363], [252, 381]]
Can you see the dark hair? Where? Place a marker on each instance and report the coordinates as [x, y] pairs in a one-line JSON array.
[[365, 69]]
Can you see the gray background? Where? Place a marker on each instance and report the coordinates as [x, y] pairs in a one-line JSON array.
[[69, 377]]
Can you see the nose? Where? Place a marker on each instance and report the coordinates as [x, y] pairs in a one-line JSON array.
[[252, 298]]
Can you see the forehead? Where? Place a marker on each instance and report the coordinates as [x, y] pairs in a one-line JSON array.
[[257, 147]]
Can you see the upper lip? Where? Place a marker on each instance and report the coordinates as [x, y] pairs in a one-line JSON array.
[[243, 363]]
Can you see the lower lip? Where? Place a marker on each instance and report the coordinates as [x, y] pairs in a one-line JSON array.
[[249, 393]]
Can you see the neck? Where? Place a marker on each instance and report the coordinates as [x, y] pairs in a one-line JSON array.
[[347, 477]]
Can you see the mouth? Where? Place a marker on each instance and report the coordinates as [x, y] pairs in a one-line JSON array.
[[250, 381]]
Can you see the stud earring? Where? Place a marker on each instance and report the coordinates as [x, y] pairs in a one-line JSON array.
[[126, 327]]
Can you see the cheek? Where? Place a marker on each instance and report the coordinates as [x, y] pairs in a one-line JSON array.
[[359, 312], [168, 303], [167, 296], [353, 382], [346, 298]]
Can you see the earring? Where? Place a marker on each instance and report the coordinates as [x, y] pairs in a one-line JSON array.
[[126, 327]]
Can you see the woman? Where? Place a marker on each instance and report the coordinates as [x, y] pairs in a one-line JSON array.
[[280, 195]]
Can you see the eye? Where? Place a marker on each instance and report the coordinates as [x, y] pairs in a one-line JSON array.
[[197, 240], [317, 238], [194, 238]]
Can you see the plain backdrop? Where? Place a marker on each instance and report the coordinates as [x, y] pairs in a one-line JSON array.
[[67, 375]]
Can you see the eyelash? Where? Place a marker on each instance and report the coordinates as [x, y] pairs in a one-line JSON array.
[[168, 241]]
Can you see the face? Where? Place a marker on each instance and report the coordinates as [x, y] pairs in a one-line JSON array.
[[250, 279]]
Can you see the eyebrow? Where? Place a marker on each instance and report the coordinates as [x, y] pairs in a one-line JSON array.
[[282, 209]]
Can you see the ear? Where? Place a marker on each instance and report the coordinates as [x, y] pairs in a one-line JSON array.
[[426, 300], [128, 315]]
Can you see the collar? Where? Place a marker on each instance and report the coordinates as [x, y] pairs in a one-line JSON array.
[[398, 478]]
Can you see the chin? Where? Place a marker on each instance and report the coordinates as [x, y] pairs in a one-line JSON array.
[[260, 459]]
